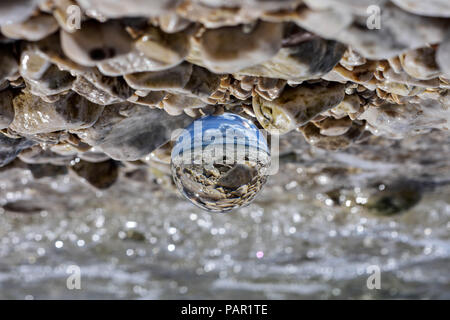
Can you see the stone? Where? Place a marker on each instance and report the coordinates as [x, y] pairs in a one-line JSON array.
[[443, 56], [16, 11], [71, 111], [6, 108], [174, 78], [92, 43], [230, 49], [433, 8], [421, 63], [42, 77], [34, 29], [168, 49], [100, 175], [399, 32], [10, 148], [296, 106], [103, 9], [129, 133], [306, 60]]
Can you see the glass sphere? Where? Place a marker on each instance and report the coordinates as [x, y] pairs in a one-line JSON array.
[[220, 163]]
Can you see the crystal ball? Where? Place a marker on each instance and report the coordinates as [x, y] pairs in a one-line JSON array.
[[220, 163]]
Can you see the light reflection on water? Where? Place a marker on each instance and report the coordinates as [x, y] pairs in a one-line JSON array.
[[150, 246]]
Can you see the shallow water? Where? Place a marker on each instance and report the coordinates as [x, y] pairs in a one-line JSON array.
[[308, 235]]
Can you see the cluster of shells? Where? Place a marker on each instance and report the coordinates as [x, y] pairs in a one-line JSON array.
[[95, 85]]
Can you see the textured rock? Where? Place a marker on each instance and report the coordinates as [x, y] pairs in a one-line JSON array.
[[231, 49], [399, 121], [136, 70], [10, 148], [6, 109], [434, 8], [8, 65], [34, 29], [421, 64], [102, 9], [174, 78], [16, 11], [296, 106], [400, 32], [126, 132], [42, 77], [443, 56], [166, 49], [308, 59], [71, 111], [92, 43]]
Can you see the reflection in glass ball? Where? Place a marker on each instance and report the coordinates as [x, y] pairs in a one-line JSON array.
[[220, 163]]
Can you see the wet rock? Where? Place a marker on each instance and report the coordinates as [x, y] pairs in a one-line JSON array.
[[127, 132], [93, 156], [166, 49], [399, 121], [400, 88], [10, 148], [172, 23], [34, 29], [132, 62], [358, 7], [88, 90], [215, 16], [334, 143], [102, 9], [71, 111], [443, 56], [100, 89], [152, 99], [202, 84], [93, 43], [42, 77], [174, 78], [337, 18], [231, 49], [296, 106], [37, 155], [175, 104], [6, 109], [350, 105], [334, 127], [100, 175], [308, 59], [421, 64], [8, 65], [16, 11], [399, 32], [433, 8]]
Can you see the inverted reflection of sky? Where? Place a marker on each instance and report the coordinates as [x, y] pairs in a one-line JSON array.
[[224, 129]]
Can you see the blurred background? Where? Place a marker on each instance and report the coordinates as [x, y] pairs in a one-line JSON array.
[[312, 233]]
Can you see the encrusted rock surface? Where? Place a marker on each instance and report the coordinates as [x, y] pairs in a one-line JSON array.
[[114, 89]]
